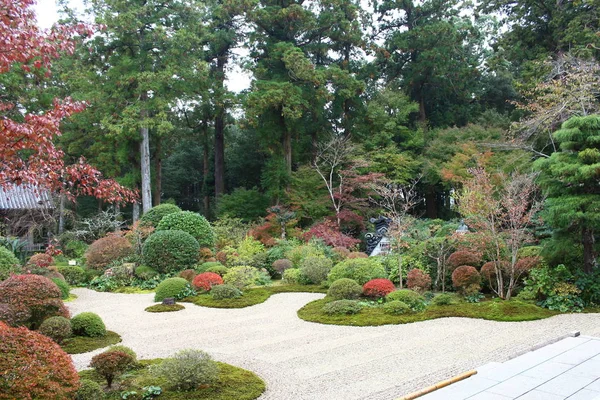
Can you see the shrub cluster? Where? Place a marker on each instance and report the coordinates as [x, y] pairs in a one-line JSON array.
[[192, 223], [56, 328], [88, 324], [106, 250], [63, 286], [241, 277], [418, 280], [188, 275], [341, 307], [463, 257], [170, 251], [124, 349], [34, 367], [445, 299], [361, 270], [187, 370], [9, 264], [89, 390], [206, 280], [218, 269], [293, 276], [357, 254], [153, 216], [40, 260], [396, 307], [378, 288], [344, 288], [414, 300], [282, 265], [178, 288], [316, 269], [73, 274], [466, 280], [144, 272], [221, 292], [111, 364]]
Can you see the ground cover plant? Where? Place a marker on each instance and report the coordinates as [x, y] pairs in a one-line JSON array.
[[159, 308]]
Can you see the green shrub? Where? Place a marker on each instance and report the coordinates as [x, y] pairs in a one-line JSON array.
[[344, 288], [9, 264], [144, 272], [170, 251], [242, 276], [106, 250], [56, 328], [293, 276], [218, 269], [73, 274], [154, 215], [340, 307], [299, 253], [111, 364], [178, 288], [203, 267], [75, 248], [192, 223], [63, 286], [396, 307], [221, 292], [88, 324], [245, 204], [415, 301], [281, 265], [187, 370], [445, 299], [316, 269], [124, 349], [246, 252], [89, 390], [362, 270]]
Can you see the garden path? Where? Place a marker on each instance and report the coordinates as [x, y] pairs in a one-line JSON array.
[[302, 360]]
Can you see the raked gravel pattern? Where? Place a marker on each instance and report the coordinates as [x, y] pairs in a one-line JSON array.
[[302, 360]]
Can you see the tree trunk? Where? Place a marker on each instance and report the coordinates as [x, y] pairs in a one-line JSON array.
[[219, 129], [145, 167], [287, 150], [589, 253], [136, 211], [158, 179], [205, 172], [61, 215]]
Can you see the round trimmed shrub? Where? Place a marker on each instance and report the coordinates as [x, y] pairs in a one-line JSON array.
[[241, 277], [418, 280], [40, 260], [445, 299], [414, 300], [220, 270], [396, 307], [111, 364], [56, 328], [463, 257], [203, 267], [144, 272], [171, 287], [31, 299], [192, 223], [293, 276], [106, 250], [63, 286], [170, 251], [73, 274], [282, 265], [187, 370], [466, 280], [88, 324], [299, 253], [89, 390], [34, 367], [206, 281], [488, 272], [156, 214], [9, 264], [316, 269], [344, 288], [188, 275], [124, 349], [341, 307], [221, 292], [378, 288], [362, 270]]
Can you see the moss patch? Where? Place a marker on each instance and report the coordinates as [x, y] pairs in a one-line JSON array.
[[494, 310], [82, 344], [165, 308], [252, 296], [71, 297], [234, 383], [132, 290]]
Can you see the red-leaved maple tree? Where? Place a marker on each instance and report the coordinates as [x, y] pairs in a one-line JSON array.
[[28, 154]]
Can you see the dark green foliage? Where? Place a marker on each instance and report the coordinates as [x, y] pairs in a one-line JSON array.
[[396, 307], [342, 307], [192, 223], [361, 270], [88, 324], [63, 286], [170, 251], [156, 213], [217, 269], [56, 328], [248, 205], [89, 390], [144, 272], [74, 275], [344, 288], [158, 308], [316, 269], [413, 299], [177, 288], [445, 299], [75, 248], [225, 291], [9, 264], [554, 288]]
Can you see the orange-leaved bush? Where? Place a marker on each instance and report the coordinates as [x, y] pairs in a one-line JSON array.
[[32, 366], [111, 364], [188, 275], [463, 257], [466, 280], [40, 260], [378, 287], [107, 249], [31, 299], [207, 280], [418, 280]]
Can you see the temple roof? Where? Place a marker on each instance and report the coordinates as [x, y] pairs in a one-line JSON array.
[[25, 197]]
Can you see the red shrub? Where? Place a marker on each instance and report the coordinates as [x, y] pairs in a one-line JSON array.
[[525, 264], [40, 260], [463, 257], [378, 287], [34, 367], [357, 254], [188, 275], [466, 279], [488, 271], [330, 234], [207, 280], [205, 253], [221, 257], [107, 249], [31, 299], [111, 364], [418, 280]]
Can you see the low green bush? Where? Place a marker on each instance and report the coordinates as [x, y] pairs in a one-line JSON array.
[[218, 269], [144, 272], [414, 300], [344, 288], [316, 269], [340, 307], [75, 248], [88, 324], [362, 270], [89, 390], [9, 264], [187, 370], [221, 292], [73, 274], [293, 276], [63, 286], [178, 288], [445, 299], [56, 328], [242, 276], [160, 308], [396, 307], [205, 266]]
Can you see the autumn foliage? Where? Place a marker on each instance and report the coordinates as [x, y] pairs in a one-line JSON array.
[[418, 280], [107, 249], [463, 257], [466, 279], [207, 280], [32, 366], [40, 260], [378, 288], [330, 234], [111, 364]]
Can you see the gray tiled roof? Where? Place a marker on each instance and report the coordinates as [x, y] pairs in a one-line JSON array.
[[24, 197]]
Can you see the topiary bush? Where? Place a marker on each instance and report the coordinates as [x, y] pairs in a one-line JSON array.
[[341, 307], [73, 274], [220, 270], [39, 260], [361, 270], [463, 257], [170, 251], [187, 370], [144, 272], [63, 286], [241, 277], [282, 265], [30, 299], [221, 292], [378, 288], [178, 288], [316, 269], [192, 223], [56, 328], [188, 275], [294, 276], [111, 364], [89, 390], [344, 288], [396, 307], [88, 324], [34, 367], [466, 280], [124, 349], [418, 280], [445, 299], [415, 301], [154, 215], [206, 281], [9, 264], [106, 250]]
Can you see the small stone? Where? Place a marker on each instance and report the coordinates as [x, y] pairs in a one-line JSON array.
[[169, 301]]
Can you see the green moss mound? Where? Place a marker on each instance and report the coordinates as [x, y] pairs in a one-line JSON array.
[[157, 308], [83, 344]]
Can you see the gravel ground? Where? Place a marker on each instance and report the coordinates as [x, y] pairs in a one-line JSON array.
[[302, 360]]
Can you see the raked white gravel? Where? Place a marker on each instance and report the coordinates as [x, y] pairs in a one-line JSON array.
[[303, 360]]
